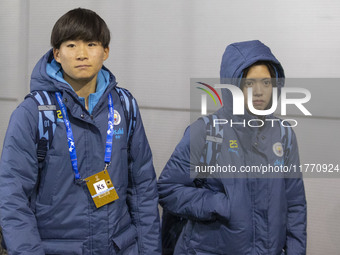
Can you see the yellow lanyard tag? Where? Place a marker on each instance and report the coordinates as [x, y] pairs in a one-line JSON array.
[[101, 188]]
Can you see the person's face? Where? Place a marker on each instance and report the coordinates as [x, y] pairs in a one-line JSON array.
[[259, 79], [81, 61]]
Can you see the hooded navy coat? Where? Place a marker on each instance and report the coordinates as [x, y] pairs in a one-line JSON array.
[[237, 216], [62, 218]]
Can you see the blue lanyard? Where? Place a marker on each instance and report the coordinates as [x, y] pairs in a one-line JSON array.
[[70, 138], [109, 137]]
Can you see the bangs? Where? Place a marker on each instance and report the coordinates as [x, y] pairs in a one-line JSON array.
[[80, 24]]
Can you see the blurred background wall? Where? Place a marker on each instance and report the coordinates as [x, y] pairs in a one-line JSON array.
[[158, 45]]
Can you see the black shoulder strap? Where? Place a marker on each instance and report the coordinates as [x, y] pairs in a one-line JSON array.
[[212, 147], [47, 121], [213, 141]]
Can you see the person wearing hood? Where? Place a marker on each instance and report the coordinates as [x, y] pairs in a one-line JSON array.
[[238, 214], [96, 190]]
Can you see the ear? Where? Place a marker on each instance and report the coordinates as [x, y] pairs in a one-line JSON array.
[[106, 53], [56, 54]]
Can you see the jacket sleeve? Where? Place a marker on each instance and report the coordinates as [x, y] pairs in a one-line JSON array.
[[297, 207], [18, 177], [177, 191], [142, 193]]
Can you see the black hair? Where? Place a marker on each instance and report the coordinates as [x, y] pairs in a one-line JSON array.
[[268, 64], [80, 24]]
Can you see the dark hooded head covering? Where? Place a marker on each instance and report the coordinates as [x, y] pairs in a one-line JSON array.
[[238, 56]]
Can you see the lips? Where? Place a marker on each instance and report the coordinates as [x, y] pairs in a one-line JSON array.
[[83, 66], [258, 102]]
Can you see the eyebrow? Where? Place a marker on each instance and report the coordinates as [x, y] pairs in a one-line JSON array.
[[253, 79]]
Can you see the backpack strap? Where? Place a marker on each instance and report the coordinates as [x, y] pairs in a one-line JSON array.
[[286, 139], [130, 111], [213, 141], [212, 147], [47, 121]]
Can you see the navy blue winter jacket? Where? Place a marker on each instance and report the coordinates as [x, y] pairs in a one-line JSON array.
[[236, 216], [43, 211]]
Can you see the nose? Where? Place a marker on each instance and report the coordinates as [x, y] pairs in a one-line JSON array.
[[82, 52], [257, 89]]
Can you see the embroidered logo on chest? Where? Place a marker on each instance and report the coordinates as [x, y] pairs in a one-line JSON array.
[[278, 149], [116, 117]]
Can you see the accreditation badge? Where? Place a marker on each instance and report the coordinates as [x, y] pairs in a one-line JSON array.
[[101, 188]]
